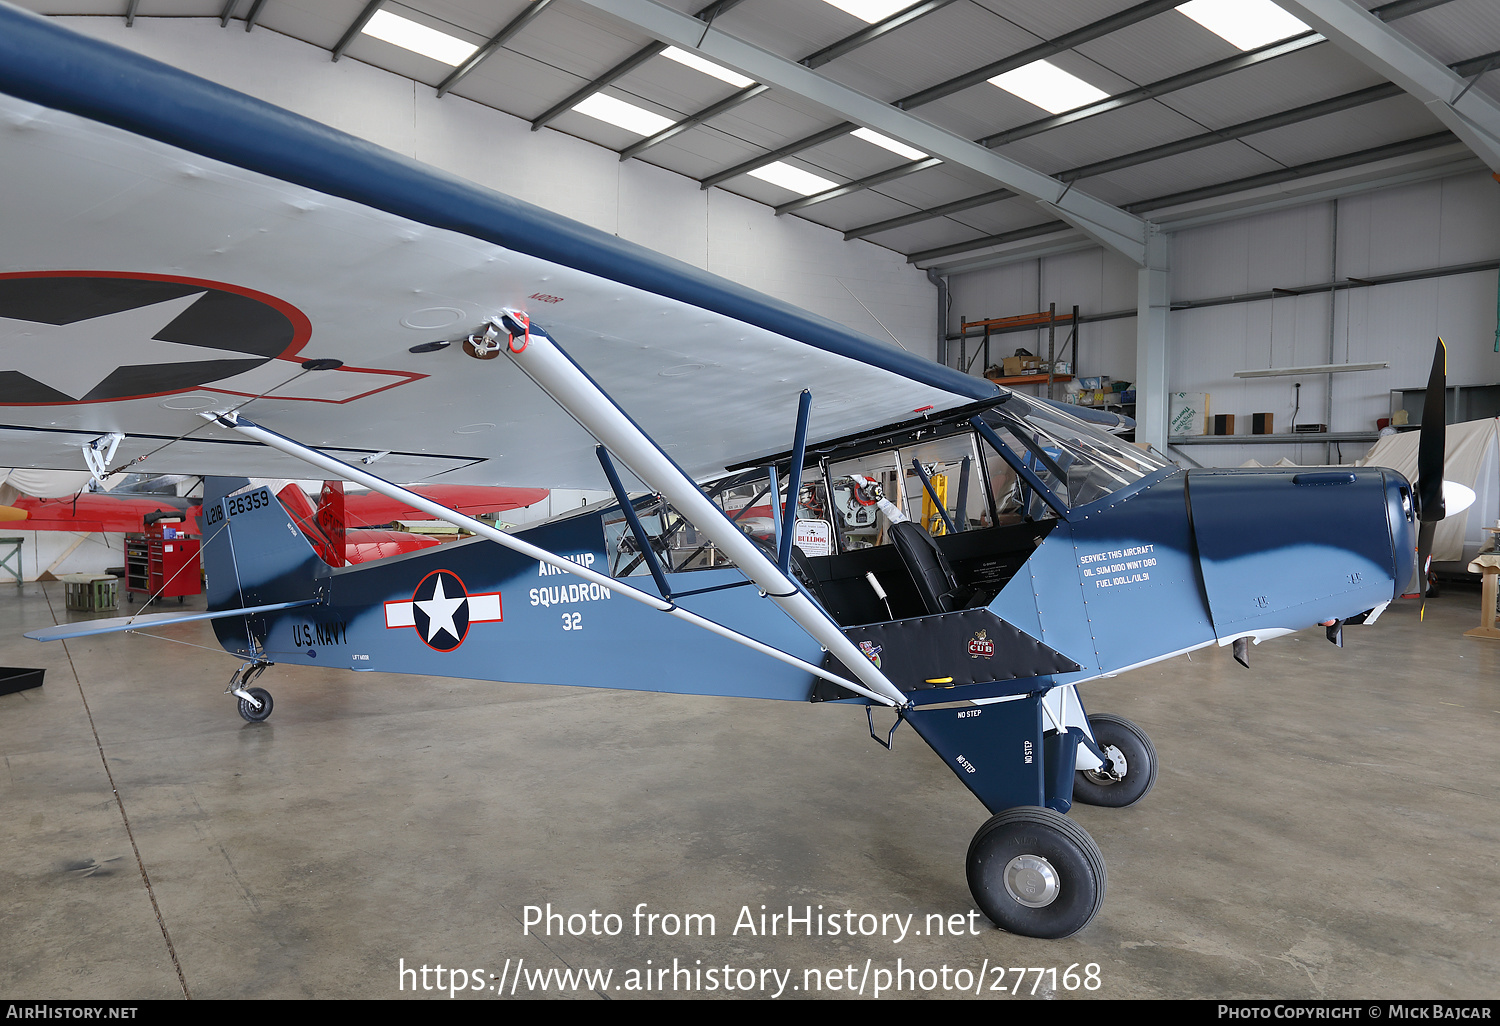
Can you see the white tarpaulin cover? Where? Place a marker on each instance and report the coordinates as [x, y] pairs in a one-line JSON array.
[[1471, 457]]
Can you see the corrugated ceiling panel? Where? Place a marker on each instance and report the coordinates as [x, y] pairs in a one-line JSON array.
[[579, 40], [926, 235], [985, 109], [480, 16], [697, 154], [1049, 20], [401, 61], [853, 210], [851, 157], [994, 218], [791, 28], [941, 46], [774, 119], [1158, 48], [938, 185], [1309, 75], [1375, 124], [312, 21], [1455, 31], [1084, 142], [674, 85], [517, 84], [1223, 162]]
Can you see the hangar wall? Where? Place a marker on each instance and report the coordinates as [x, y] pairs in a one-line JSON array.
[[1440, 223], [786, 257]]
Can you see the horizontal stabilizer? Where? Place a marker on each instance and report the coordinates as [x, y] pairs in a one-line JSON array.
[[115, 624]]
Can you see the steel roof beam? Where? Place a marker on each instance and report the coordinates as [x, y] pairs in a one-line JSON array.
[[816, 139], [1387, 12], [1471, 115], [226, 12], [1110, 225], [353, 31], [1306, 112], [870, 33], [130, 10], [1287, 174], [868, 182], [823, 56], [1317, 167], [1091, 31], [1146, 92], [622, 69], [1031, 231], [254, 15], [749, 92], [494, 43], [917, 216]]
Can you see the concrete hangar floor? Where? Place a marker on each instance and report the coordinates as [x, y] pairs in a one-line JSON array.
[[1325, 825]]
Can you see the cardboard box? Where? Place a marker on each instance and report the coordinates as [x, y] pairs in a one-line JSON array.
[[1188, 413], [1012, 366]]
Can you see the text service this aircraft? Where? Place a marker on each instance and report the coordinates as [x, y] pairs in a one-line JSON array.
[[1043, 539]]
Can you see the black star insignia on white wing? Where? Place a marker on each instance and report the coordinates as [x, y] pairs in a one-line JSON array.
[[71, 338]]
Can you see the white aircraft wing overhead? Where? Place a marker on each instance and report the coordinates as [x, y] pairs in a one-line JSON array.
[[169, 246]]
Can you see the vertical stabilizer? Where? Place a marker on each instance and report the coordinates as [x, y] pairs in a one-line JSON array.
[[253, 553]]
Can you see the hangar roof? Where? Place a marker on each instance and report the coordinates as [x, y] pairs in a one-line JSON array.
[[916, 125]]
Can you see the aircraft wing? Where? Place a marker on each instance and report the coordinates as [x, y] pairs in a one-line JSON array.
[[169, 246], [90, 511], [474, 500]]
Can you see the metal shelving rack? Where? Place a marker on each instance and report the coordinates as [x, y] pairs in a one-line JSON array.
[[1049, 319]]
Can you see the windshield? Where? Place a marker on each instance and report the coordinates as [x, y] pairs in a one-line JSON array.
[[1076, 461]]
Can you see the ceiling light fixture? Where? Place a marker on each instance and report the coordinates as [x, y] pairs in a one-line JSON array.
[[624, 115], [1321, 368], [708, 67], [1245, 24], [869, 136], [804, 183], [871, 11], [1048, 87], [418, 38]]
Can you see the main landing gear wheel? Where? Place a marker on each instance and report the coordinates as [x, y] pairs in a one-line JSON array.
[[252, 714], [1036, 873], [1133, 773]]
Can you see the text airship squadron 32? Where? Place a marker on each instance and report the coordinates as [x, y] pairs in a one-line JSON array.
[[799, 513]]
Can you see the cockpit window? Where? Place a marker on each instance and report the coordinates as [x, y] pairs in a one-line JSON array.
[[1076, 461]]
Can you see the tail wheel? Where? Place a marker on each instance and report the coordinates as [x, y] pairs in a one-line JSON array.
[[1036, 873], [250, 712], [1133, 770]]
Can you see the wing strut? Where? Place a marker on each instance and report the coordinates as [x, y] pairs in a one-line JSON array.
[[570, 387], [230, 419]]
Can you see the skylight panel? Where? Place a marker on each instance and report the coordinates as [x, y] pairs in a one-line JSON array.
[[624, 115], [708, 67], [1049, 87], [869, 136], [1245, 24], [409, 35], [804, 183], [872, 11]]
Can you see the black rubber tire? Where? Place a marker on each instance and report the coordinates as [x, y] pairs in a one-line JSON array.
[[1140, 765], [252, 714], [1070, 854]]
